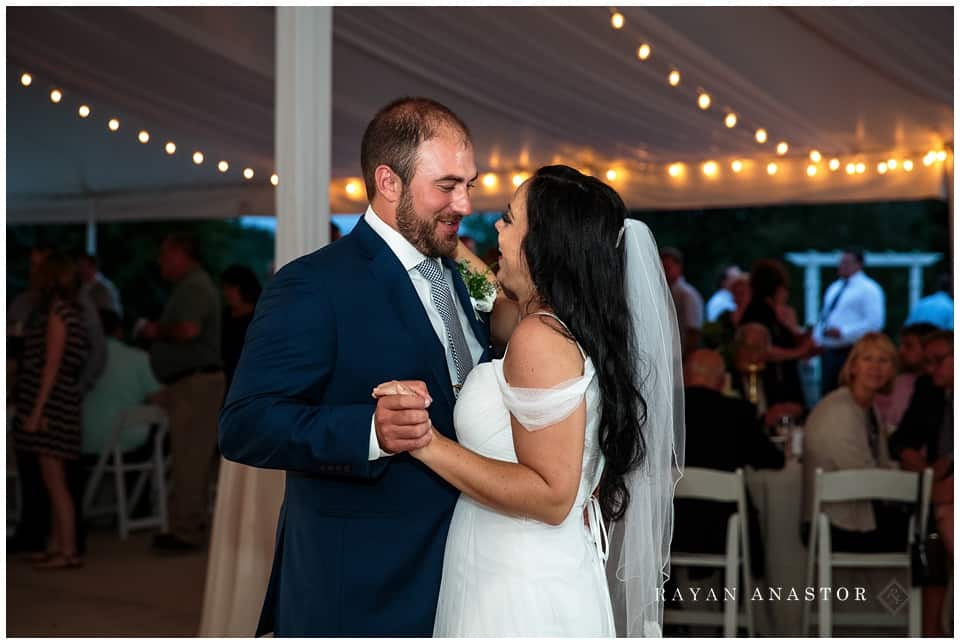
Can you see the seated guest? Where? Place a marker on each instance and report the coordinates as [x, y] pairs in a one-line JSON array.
[[126, 381], [752, 381], [841, 433], [722, 434], [890, 407], [925, 433]]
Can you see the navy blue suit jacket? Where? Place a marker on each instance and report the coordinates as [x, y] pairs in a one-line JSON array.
[[359, 543]]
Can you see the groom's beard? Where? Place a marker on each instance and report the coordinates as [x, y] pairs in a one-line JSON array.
[[421, 233]]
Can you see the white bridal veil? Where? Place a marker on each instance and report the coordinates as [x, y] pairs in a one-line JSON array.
[[639, 561]]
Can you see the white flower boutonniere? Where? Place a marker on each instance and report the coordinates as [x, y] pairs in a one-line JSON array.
[[481, 289]]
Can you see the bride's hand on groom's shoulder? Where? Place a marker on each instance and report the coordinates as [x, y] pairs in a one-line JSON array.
[[401, 420]]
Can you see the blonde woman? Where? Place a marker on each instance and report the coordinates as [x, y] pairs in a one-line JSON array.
[[842, 433]]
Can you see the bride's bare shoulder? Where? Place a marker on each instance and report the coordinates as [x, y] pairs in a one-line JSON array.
[[541, 354]]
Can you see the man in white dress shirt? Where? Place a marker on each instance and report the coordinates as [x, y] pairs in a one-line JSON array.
[[853, 306], [723, 299]]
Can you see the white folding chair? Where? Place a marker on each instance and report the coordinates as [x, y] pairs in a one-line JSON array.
[[861, 485], [153, 470], [719, 486]]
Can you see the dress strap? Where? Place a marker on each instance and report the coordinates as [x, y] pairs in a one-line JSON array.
[[564, 325], [598, 531]]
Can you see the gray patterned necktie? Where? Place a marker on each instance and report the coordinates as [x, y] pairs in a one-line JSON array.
[[440, 293]]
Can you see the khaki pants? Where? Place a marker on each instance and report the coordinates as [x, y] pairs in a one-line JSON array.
[[194, 405]]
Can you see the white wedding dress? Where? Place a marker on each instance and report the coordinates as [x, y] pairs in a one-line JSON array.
[[508, 576]]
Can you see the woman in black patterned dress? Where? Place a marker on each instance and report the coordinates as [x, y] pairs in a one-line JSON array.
[[48, 397]]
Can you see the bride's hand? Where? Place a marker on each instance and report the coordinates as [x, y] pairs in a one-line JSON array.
[[403, 387]]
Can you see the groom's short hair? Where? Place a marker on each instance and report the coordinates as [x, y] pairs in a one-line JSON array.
[[395, 133]]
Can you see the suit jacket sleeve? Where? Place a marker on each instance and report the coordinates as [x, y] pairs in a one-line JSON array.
[[277, 415]]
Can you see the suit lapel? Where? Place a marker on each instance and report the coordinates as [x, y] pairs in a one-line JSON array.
[[480, 330], [406, 305]]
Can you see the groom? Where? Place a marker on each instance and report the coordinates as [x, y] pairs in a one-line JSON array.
[[363, 525]]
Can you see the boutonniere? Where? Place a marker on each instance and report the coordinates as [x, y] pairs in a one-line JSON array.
[[482, 291]]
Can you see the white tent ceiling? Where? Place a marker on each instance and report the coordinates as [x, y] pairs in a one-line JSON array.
[[536, 85]]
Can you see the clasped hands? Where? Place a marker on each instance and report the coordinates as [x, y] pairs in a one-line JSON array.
[[402, 420]]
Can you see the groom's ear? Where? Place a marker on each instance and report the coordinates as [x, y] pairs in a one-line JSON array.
[[388, 183]]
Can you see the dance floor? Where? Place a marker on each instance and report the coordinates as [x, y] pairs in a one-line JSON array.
[[124, 589]]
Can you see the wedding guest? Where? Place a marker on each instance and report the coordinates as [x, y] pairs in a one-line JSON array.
[[723, 299], [891, 407], [722, 434], [770, 289], [852, 306], [95, 286], [687, 299], [842, 433], [49, 397], [241, 290], [936, 308], [185, 356], [751, 379]]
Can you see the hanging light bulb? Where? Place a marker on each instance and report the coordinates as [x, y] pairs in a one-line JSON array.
[[942, 155], [703, 101], [675, 169], [83, 111], [892, 164], [113, 124], [861, 167], [782, 148], [851, 168], [274, 179], [519, 178], [223, 166], [882, 167], [643, 51], [710, 168], [56, 96], [248, 173], [616, 19], [611, 175], [26, 79], [352, 188], [929, 158], [908, 165], [170, 148], [811, 170], [198, 157], [489, 181], [834, 164], [730, 120], [737, 165], [674, 78], [772, 168], [815, 156], [761, 136], [143, 136]]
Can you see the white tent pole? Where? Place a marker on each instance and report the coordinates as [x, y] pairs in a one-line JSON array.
[[916, 285], [303, 129], [248, 499]]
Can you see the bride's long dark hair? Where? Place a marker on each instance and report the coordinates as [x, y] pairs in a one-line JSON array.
[[577, 266]]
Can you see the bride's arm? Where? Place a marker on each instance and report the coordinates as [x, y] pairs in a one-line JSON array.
[[503, 317], [543, 485]]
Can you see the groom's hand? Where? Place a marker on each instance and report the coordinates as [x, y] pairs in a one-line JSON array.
[[401, 419]]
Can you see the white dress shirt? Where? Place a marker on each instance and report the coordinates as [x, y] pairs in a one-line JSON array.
[[410, 257], [719, 302], [860, 309]]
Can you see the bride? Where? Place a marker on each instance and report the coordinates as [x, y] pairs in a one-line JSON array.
[[578, 425]]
